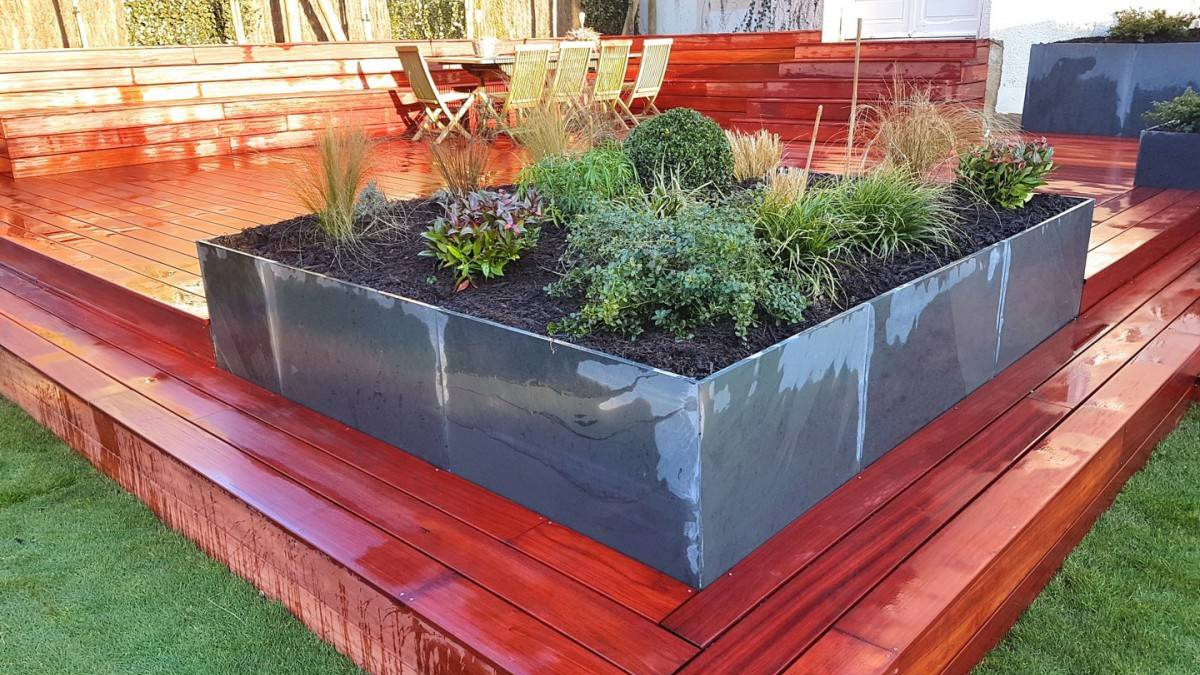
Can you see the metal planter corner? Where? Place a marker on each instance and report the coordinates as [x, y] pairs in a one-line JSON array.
[[685, 475], [1168, 159]]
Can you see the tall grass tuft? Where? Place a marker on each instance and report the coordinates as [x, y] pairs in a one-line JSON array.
[[564, 128], [894, 212], [331, 176], [755, 155], [463, 165], [920, 135]]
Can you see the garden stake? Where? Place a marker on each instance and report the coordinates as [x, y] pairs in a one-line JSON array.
[[854, 94], [812, 143]]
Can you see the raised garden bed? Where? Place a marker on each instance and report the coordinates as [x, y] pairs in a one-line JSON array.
[[1104, 88], [685, 455], [1168, 159]]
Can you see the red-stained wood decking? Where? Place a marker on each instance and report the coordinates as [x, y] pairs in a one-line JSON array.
[[918, 565]]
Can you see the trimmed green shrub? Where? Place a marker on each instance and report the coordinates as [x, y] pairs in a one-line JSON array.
[[681, 142], [1141, 25], [576, 185], [153, 23], [427, 19], [696, 268], [1006, 173], [1181, 113]]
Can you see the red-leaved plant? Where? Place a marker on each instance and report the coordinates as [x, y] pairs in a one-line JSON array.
[[482, 231], [1006, 173]]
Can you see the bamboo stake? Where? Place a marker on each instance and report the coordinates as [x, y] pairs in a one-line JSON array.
[[854, 94], [368, 32], [83, 38], [812, 143], [239, 29]]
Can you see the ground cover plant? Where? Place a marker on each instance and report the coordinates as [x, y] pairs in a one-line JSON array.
[[623, 247], [91, 582], [1181, 114], [1124, 602]]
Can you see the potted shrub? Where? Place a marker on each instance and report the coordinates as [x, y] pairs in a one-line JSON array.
[[674, 369], [1103, 85], [1169, 151]]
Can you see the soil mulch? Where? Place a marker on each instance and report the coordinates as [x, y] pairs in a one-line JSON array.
[[389, 263]]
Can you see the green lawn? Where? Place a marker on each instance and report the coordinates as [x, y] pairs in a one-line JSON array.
[[1127, 601], [91, 582]]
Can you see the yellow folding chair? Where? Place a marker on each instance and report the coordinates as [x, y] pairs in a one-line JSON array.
[[570, 73], [655, 54], [610, 75], [438, 116], [526, 82]]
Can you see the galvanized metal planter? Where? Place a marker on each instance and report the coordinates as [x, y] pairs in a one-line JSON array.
[[1168, 159], [685, 475], [1103, 89]]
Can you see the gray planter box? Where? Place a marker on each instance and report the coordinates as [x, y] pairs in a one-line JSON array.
[[685, 475], [1104, 89], [1168, 159]]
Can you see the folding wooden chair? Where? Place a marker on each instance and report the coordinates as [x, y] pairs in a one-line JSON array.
[[526, 83], [655, 54], [438, 116], [610, 75], [570, 73]]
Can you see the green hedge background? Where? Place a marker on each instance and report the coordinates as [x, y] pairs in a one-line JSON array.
[[186, 22], [606, 16]]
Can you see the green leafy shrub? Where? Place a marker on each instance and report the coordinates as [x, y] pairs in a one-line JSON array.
[[1181, 113], [696, 268], [1006, 173], [575, 185], [153, 23], [427, 19], [684, 143], [1140, 25], [481, 232]]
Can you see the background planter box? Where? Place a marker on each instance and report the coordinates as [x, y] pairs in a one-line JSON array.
[[685, 475], [1168, 159], [1103, 89]]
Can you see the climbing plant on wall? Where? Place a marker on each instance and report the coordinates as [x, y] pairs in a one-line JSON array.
[[764, 15], [606, 16], [185, 22], [427, 19]]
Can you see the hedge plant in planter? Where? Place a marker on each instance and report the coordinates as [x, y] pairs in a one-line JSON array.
[[1169, 151], [681, 143]]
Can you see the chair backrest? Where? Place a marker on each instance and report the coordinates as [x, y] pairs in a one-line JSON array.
[[655, 54], [528, 79], [610, 71], [571, 70], [417, 71]]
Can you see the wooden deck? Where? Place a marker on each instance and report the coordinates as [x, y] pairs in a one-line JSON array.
[[918, 565]]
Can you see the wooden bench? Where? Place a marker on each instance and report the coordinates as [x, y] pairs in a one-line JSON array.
[[77, 109]]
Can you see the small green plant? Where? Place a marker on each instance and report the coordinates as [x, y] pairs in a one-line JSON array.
[[1006, 173], [696, 268], [1181, 113], [1140, 25], [681, 142], [802, 235], [888, 211], [330, 178], [481, 232], [575, 185]]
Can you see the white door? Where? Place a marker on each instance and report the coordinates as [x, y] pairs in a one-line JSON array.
[[907, 18]]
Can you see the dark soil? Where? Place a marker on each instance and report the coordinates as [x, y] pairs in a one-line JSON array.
[[389, 263], [1193, 35]]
